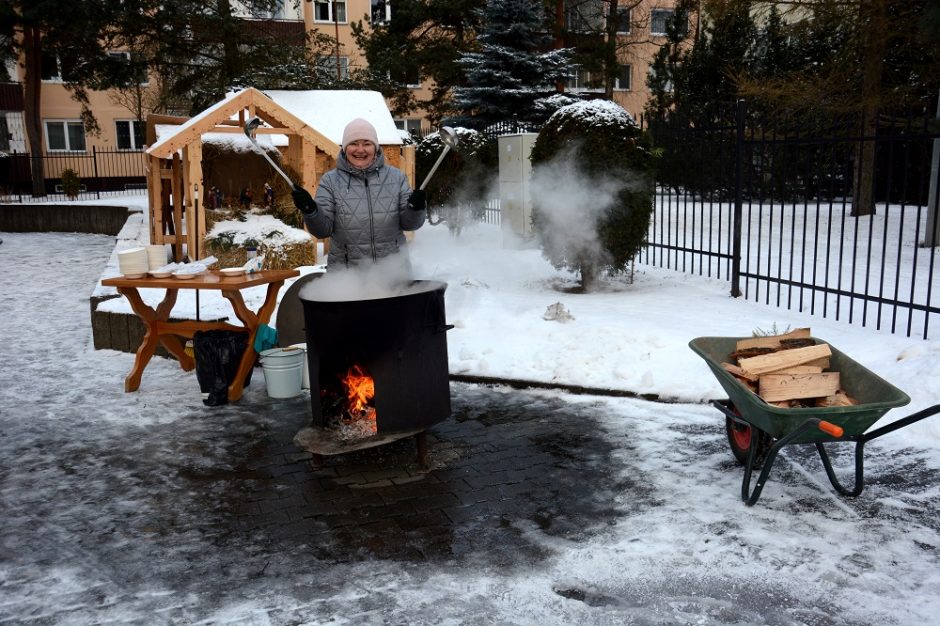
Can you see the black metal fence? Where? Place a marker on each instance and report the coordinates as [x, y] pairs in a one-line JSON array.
[[772, 205], [100, 173]]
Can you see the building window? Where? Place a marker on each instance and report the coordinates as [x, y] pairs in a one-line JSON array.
[[412, 126], [326, 67], [578, 80], [50, 68], [624, 19], [130, 134], [264, 9], [323, 11], [407, 76], [660, 19], [381, 11], [652, 75], [623, 81], [139, 74], [65, 136], [585, 16], [4, 134]]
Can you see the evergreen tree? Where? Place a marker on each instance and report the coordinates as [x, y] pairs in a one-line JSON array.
[[514, 71], [592, 167], [422, 41]]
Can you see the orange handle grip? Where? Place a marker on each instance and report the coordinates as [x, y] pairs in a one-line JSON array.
[[830, 428]]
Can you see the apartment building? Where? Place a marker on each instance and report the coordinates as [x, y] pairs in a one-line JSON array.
[[640, 31]]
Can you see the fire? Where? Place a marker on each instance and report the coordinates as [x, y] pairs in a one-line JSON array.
[[360, 389]]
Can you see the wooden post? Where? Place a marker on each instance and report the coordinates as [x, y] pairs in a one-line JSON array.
[[176, 186]]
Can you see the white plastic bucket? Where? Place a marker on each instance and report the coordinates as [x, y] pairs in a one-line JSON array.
[[283, 371], [306, 379]]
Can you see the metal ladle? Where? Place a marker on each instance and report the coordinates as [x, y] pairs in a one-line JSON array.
[[449, 137], [250, 127]]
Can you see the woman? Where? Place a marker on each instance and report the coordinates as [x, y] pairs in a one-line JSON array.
[[363, 204]]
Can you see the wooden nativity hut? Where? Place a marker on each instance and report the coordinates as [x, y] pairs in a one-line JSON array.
[[301, 129]]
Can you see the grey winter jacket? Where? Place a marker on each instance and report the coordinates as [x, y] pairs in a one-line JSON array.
[[365, 212]]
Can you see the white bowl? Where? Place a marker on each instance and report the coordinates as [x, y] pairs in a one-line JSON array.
[[185, 275], [163, 274], [141, 275], [232, 271]]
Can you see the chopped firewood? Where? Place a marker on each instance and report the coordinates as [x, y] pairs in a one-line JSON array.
[[777, 387], [789, 344], [823, 363], [738, 372], [839, 398], [800, 369], [784, 358], [747, 353], [773, 341]]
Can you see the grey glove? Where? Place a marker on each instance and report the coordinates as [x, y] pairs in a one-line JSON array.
[[303, 201]]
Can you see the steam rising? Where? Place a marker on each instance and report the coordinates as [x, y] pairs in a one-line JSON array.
[[387, 278], [570, 204]]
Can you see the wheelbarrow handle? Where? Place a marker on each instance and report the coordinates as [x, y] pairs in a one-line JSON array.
[[830, 429], [901, 423]]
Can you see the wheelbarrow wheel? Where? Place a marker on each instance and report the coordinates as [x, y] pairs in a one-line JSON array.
[[739, 438]]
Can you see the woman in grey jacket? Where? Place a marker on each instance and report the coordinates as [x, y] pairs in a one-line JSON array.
[[364, 204]]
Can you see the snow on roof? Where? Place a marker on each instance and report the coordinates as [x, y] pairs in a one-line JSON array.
[[227, 141], [329, 111], [209, 112]]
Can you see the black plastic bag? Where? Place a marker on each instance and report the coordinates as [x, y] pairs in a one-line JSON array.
[[218, 354]]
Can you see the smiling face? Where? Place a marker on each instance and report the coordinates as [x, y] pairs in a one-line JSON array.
[[360, 153]]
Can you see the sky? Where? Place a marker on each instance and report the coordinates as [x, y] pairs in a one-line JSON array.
[[805, 555]]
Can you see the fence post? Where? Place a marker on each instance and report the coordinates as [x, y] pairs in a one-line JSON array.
[[933, 200], [94, 161], [739, 115]]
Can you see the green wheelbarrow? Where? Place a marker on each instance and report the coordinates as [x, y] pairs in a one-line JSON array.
[[757, 430]]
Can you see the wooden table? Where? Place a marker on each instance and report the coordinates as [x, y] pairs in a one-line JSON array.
[[161, 330]]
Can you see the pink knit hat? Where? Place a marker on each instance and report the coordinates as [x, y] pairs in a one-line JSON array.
[[359, 129]]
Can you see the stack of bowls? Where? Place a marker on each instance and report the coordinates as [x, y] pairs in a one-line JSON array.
[[156, 257], [133, 262]]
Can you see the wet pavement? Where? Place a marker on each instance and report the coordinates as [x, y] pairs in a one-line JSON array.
[[181, 522]]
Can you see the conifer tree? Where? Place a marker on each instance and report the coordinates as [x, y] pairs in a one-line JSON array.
[[515, 70]]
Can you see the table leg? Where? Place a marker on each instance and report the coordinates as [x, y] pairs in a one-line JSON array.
[[152, 319], [251, 321]]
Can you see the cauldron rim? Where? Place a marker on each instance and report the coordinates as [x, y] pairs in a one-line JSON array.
[[414, 288]]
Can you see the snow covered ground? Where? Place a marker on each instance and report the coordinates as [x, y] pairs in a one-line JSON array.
[[81, 483]]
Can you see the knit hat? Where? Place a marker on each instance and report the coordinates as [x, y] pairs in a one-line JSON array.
[[359, 129]]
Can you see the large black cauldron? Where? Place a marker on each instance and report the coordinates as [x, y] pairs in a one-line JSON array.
[[401, 341]]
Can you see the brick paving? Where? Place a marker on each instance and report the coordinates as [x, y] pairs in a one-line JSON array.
[[500, 457]]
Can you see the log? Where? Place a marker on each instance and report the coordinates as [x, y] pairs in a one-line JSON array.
[[801, 369], [779, 387], [772, 341], [840, 398], [767, 363], [738, 372]]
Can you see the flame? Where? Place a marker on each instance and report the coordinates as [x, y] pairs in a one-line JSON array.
[[360, 389]]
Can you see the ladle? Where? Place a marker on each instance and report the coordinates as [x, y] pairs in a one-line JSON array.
[[250, 127], [449, 137]]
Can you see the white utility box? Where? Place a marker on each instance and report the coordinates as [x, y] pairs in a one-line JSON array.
[[515, 174]]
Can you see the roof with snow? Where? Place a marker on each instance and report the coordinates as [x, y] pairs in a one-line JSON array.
[[229, 115], [330, 110]]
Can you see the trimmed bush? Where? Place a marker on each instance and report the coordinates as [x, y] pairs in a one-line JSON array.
[[592, 189], [71, 183]]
